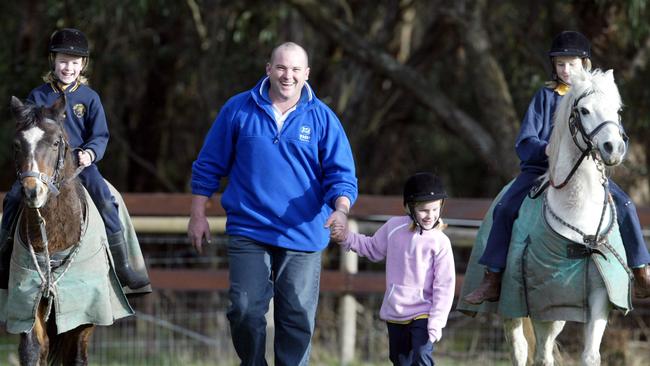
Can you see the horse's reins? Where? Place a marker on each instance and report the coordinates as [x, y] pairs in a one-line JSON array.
[[48, 282]]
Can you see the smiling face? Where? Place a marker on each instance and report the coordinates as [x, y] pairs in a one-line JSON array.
[[288, 71], [427, 213], [67, 68]]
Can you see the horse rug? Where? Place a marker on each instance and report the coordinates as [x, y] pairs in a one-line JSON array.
[[540, 280], [87, 293]]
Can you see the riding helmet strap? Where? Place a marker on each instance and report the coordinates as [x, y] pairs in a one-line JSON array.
[[411, 212]]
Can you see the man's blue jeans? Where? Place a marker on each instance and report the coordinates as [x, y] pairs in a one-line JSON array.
[[259, 272]]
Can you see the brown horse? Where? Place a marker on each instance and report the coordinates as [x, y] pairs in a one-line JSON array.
[[54, 219]]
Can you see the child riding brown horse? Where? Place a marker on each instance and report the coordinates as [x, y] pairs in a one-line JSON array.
[[61, 282]]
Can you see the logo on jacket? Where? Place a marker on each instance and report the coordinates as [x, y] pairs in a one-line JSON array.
[[79, 110], [305, 133]]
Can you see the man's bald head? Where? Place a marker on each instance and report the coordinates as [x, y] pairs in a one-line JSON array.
[[289, 46]]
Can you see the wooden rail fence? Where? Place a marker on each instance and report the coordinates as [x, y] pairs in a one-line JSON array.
[[158, 213]]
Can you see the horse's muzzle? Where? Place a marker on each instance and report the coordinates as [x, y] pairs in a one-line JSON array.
[[34, 193], [612, 152]]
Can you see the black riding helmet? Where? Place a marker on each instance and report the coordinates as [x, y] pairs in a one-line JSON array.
[[422, 187], [570, 43], [69, 41]]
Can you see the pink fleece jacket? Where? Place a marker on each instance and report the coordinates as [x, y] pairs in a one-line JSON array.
[[420, 273]]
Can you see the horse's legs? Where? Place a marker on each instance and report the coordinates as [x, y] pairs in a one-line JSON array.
[[80, 336], [595, 327], [514, 332], [545, 334], [34, 345], [30, 351]]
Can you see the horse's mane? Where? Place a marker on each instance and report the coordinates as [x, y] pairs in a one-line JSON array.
[[28, 115], [605, 90]]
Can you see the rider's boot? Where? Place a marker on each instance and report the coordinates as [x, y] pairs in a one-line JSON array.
[[5, 257], [125, 273], [642, 282], [488, 290]]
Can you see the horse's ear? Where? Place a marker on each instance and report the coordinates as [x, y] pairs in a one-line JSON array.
[[58, 108], [16, 106]]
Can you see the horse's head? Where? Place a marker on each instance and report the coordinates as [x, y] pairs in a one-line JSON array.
[[593, 118], [39, 149]]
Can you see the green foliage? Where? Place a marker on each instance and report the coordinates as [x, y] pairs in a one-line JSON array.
[[164, 68]]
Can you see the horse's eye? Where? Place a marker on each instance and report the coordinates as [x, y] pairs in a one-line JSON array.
[[56, 143], [584, 111], [17, 146]]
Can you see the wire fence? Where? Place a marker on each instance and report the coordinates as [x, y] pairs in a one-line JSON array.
[[190, 328]]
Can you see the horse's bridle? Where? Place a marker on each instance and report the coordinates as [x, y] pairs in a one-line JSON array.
[[53, 182], [576, 127]]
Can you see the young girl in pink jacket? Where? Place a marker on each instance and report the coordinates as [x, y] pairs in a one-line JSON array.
[[420, 273]]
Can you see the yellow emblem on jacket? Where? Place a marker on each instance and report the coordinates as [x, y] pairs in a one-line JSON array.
[[79, 110]]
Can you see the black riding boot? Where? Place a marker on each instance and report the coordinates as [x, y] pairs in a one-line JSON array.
[[127, 276], [5, 258]]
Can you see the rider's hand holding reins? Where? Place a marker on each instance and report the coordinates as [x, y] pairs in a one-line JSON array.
[[198, 227], [84, 158]]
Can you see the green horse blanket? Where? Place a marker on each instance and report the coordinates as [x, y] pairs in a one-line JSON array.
[[89, 291], [540, 281]]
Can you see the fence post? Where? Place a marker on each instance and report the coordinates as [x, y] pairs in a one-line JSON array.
[[348, 305]]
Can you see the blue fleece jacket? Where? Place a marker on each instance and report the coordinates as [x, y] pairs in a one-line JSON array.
[[536, 130], [282, 184], [85, 121]]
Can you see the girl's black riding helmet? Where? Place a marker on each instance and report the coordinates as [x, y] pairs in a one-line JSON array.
[[570, 43], [422, 187], [69, 41]]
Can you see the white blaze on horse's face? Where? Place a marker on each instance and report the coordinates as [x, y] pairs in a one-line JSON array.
[[602, 117], [34, 189]]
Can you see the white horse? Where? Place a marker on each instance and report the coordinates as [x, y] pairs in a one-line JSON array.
[[570, 232]]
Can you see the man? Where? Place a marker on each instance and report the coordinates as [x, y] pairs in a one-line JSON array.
[[291, 176]]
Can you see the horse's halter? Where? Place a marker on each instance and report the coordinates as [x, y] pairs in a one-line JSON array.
[[576, 126], [54, 182]]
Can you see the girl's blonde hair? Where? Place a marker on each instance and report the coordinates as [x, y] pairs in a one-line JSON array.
[[552, 84]]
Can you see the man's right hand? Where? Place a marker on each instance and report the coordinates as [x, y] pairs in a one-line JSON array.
[[198, 227]]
